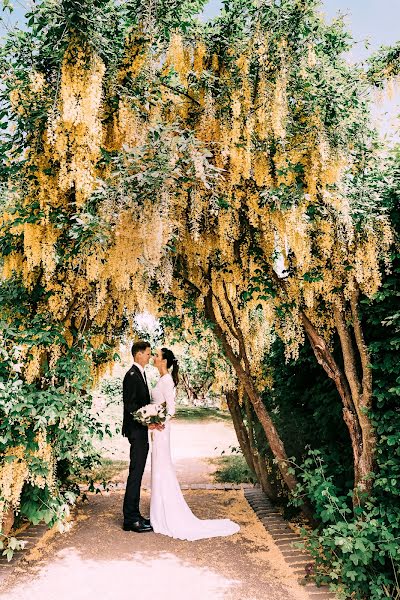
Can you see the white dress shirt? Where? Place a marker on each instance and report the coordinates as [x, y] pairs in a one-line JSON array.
[[141, 369]]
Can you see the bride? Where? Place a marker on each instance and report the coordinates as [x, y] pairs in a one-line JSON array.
[[169, 513]]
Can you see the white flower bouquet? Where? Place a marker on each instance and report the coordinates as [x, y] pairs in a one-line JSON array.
[[151, 414]]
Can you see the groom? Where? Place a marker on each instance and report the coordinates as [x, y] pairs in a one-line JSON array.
[[135, 395]]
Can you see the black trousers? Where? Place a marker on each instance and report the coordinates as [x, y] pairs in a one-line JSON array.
[[139, 450]]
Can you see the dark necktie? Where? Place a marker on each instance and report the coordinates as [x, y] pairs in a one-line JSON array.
[[145, 379]]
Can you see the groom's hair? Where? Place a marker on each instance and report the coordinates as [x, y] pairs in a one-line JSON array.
[[139, 346]]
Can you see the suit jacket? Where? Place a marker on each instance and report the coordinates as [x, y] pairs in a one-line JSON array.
[[135, 395]]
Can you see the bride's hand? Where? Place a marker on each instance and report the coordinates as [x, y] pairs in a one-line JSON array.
[[157, 426]]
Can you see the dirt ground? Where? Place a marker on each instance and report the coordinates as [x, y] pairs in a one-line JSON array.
[[96, 560]]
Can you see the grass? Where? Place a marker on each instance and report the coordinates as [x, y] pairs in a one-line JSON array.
[[233, 469], [198, 413], [112, 413], [105, 471]]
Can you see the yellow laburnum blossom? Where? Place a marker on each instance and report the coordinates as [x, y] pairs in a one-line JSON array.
[[33, 237], [198, 61], [50, 236], [78, 131], [37, 81], [261, 168], [13, 474], [177, 57], [215, 62], [279, 107], [12, 265], [263, 125], [45, 454], [33, 366]]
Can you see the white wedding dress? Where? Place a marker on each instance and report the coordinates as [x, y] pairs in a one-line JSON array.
[[169, 513]]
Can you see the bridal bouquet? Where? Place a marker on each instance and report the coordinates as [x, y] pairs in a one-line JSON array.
[[151, 414]]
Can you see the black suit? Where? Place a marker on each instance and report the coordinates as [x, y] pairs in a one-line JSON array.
[[135, 395]]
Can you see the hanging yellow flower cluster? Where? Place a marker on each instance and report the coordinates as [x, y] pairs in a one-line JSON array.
[[77, 131], [268, 149], [273, 208], [13, 474], [45, 454], [14, 471]]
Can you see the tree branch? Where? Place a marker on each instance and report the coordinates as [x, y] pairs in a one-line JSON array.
[[349, 359], [271, 433], [182, 93], [362, 349], [225, 318], [240, 338]]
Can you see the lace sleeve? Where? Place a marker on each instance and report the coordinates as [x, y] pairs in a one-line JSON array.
[[169, 395]]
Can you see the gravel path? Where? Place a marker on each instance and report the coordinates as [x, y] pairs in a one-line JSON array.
[[97, 560], [193, 443]]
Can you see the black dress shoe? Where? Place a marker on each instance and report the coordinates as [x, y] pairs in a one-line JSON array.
[[144, 520], [137, 526]]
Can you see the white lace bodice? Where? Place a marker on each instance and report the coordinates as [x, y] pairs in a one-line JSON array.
[[164, 391]]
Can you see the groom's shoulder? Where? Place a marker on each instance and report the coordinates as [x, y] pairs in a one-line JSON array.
[[130, 372]]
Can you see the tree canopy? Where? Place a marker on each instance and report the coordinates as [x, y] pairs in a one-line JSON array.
[[225, 176]]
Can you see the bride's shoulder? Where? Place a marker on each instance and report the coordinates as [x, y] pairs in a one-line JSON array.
[[167, 381]]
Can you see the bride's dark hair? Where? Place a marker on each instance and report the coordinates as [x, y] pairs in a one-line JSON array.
[[169, 356]]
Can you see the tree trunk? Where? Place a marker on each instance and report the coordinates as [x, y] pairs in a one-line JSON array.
[[253, 458], [277, 486], [361, 391], [7, 523], [275, 443], [240, 429], [271, 433], [188, 388], [259, 462], [356, 396]]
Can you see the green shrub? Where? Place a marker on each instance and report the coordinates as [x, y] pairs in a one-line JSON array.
[[233, 469], [356, 551]]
